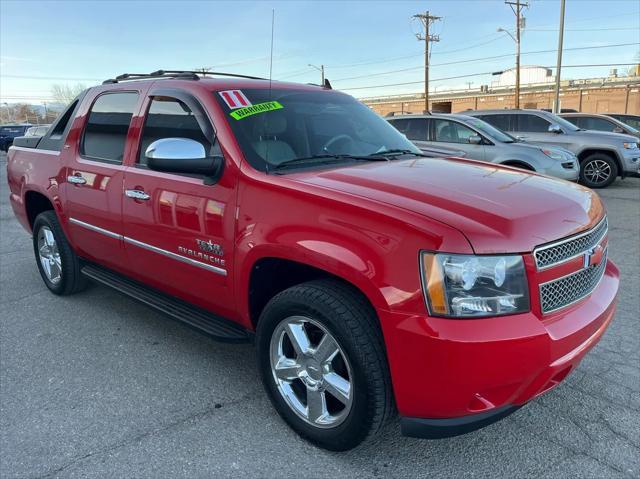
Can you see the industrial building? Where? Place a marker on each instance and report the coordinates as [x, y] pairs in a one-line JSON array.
[[612, 94]]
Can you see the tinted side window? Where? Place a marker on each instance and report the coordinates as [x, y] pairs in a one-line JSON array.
[[532, 123], [417, 129], [106, 131], [597, 124], [501, 122], [170, 118], [451, 132], [400, 125], [576, 120]]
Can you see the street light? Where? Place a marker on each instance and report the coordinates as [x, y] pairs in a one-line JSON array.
[[517, 40], [321, 70]]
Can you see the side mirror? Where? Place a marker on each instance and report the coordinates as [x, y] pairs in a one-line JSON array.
[[555, 129], [475, 139], [183, 155], [617, 129]]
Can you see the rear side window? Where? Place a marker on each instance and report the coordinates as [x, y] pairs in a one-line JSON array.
[[170, 118], [501, 122], [532, 123], [106, 131]]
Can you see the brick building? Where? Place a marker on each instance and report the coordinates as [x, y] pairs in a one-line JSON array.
[[597, 95]]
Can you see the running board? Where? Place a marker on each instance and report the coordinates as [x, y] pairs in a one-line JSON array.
[[219, 328]]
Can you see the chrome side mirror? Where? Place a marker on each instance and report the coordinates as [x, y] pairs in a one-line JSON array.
[[617, 129], [475, 139], [555, 128], [175, 149], [184, 155]]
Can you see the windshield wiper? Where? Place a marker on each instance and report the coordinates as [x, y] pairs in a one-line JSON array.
[[325, 159], [398, 152]]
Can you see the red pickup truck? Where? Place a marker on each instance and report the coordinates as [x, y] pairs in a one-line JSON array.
[[373, 280]]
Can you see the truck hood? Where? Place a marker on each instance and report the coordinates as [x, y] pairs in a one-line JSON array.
[[499, 209]]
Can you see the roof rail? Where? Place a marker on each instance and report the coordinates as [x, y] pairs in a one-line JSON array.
[[180, 74]]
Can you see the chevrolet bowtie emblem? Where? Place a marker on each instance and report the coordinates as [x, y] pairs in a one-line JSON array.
[[592, 257]]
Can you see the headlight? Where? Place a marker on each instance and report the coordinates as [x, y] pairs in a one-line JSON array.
[[630, 146], [468, 286], [553, 154]]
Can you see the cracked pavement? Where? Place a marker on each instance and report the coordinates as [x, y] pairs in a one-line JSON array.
[[98, 385]]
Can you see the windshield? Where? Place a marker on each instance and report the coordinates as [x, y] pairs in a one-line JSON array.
[[491, 131], [283, 125]]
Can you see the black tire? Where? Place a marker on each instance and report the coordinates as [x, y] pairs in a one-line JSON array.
[[350, 319], [71, 280], [598, 170]]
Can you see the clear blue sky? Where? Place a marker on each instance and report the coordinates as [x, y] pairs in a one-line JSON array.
[[87, 41]]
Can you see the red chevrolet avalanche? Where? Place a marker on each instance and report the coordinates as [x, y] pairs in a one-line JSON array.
[[373, 280]]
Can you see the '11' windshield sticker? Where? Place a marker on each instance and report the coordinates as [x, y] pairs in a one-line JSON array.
[[254, 109], [235, 99]]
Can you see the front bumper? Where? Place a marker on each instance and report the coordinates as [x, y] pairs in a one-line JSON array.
[[631, 162], [559, 171], [455, 376]]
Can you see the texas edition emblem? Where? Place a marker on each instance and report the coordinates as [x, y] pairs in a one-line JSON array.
[[210, 247]]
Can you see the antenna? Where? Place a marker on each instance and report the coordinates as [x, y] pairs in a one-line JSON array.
[[266, 119], [273, 18]]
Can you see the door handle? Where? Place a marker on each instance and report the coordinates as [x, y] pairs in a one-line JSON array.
[[137, 194], [76, 179]]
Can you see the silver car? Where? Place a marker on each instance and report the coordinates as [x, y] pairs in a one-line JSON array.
[[594, 121], [603, 156], [477, 140]]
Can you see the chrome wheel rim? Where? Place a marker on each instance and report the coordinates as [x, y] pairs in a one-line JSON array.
[[597, 171], [311, 371], [49, 255]]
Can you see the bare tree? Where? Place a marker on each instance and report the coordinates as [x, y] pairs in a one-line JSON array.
[[65, 93]]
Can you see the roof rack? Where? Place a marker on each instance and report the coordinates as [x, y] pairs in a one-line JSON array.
[[179, 74]]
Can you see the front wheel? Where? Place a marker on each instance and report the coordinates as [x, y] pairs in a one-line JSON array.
[[323, 364], [598, 171]]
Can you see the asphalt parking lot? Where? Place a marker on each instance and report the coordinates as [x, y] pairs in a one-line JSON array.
[[98, 385]]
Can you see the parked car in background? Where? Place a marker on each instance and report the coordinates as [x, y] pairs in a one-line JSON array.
[[38, 131], [481, 141], [596, 122], [603, 156], [631, 120], [32, 136], [9, 132]]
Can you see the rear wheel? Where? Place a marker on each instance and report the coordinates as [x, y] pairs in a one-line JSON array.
[[598, 171], [323, 364], [59, 266]]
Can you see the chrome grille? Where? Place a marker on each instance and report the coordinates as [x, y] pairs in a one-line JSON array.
[[571, 247], [562, 292]]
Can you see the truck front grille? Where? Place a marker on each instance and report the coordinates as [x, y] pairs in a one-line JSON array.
[[563, 250], [562, 292]]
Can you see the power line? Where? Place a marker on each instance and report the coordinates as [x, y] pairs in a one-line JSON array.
[[473, 60], [485, 73]]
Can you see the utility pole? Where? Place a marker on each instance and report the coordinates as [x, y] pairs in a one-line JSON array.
[[426, 19], [517, 7], [556, 106], [321, 70]]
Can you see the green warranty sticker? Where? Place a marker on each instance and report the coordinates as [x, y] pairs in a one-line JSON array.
[[241, 113]]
